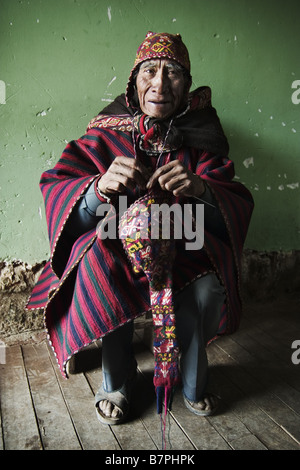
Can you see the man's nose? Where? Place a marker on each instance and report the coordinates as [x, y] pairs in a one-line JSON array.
[[160, 82]]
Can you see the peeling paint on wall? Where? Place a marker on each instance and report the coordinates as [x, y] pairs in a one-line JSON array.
[[248, 161], [108, 96], [293, 185], [109, 13], [43, 112]]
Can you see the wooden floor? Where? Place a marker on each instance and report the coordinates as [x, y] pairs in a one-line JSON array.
[[251, 371]]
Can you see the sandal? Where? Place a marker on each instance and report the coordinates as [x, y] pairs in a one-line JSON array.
[[119, 398], [195, 408]]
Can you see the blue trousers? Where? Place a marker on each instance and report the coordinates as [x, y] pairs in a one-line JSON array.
[[197, 315]]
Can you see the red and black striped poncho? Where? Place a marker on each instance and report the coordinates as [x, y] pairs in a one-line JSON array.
[[88, 288]]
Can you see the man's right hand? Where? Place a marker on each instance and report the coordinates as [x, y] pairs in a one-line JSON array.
[[124, 173]]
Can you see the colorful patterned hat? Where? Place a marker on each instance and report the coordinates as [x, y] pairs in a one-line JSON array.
[[159, 46]]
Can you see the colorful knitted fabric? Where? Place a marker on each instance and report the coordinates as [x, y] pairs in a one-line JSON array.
[[154, 257]]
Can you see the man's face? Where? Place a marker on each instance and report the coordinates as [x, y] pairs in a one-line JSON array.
[[161, 88]]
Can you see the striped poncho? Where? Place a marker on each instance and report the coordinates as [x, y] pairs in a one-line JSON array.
[[88, 287]]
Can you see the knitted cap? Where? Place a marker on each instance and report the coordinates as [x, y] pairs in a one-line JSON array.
[[159, 46]]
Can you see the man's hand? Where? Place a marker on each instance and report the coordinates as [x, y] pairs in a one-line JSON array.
[[176, 178], [124, 173]]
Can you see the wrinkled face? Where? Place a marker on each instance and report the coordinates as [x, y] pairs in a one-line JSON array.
[[161, 87]]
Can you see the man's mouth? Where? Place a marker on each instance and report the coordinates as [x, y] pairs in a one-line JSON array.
[[159, 102]]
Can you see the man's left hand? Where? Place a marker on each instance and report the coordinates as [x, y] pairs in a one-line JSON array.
[[178, 179]]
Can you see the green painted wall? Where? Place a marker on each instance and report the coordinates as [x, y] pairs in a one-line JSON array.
[[62, 60]]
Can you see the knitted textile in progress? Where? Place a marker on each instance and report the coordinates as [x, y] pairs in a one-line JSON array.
[[142, 234]]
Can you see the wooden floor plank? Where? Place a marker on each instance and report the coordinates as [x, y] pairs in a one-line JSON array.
[[201, 435], [249, 442], [144, 422], [251, 371], [133, 426], [263, 380], [80, 402], [224, 380], [247, 398], [235, 432], [271, 370], [55, 423], [270, 346], [211, 433], [280, 319], [281, 351], [278, 352], [20, 430], [219, 431], [145, 407]]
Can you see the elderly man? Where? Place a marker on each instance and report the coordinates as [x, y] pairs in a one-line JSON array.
[[160, 138]]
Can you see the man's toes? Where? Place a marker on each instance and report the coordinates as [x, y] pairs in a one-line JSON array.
[[109, 409], [208, 405], [103, 406], [201, 405], [210, 402], [115, 412]]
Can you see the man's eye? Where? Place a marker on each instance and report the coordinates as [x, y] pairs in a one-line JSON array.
[[149, 70], [173, 72]]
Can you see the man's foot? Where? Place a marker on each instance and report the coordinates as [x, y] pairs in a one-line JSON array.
[[205, 407], [109, 409], [113, 407]]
